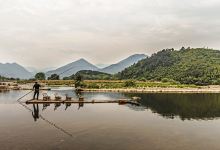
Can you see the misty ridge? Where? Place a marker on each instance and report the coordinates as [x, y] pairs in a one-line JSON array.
[[14, 70]]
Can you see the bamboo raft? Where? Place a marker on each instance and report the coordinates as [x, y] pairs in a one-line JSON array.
[[53, 101]]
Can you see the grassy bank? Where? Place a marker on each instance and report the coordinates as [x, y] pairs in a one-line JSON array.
[[126, 84], [113, 84], [146, 87], [50, 82]]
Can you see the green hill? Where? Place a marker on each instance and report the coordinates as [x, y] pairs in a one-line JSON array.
[[91, 75], [189, 66]]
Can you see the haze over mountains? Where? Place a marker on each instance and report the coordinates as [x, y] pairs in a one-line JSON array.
[[72, 68], [115, 68], [82, 64], [17, 71], [34, 70], [14, 70]]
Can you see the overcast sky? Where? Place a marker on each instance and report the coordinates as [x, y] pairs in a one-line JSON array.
[[51, 33]]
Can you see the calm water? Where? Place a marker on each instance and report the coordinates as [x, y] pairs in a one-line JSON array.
[[163, 121]]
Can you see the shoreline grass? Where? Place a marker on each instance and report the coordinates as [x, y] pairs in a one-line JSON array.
[[109, 84], [127, 86]]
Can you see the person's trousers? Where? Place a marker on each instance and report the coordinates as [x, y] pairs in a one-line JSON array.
[[36, 93]]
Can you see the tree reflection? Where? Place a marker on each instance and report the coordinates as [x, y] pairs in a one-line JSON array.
[[186, 106]]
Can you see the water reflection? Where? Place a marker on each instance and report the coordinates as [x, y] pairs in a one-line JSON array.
[[35, 112], [80, 105], [67, 105], [136, 107], [45, 106], [185, 106], [126, 126], [36, 115], [56, 106]]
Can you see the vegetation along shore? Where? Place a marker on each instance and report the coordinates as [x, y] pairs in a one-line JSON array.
[[133, 86]]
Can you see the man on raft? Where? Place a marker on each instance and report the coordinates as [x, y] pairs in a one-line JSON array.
[[36, 89]]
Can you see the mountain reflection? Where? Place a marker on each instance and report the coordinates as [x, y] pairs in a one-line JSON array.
[[185, 106]]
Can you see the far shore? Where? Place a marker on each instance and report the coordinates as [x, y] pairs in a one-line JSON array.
[[151, 89], [205, 89], [144, 90]]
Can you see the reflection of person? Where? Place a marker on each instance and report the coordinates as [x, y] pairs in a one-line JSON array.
[[35, 112], [36, 88]]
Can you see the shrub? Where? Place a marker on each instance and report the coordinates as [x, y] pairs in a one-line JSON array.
[[92, 86], [143, 79], [130, 83], [165, 80]]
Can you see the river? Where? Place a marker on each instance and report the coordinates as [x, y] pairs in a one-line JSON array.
[[161, 122]]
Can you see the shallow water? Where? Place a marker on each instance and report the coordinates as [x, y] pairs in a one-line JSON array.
[[163, 121]]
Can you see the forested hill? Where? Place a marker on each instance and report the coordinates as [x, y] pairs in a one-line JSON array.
[[91, 75], [191, 66]]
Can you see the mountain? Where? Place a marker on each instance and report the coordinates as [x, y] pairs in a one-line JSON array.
[[190, 66], [72, 68], [14, 70], [115, 68]]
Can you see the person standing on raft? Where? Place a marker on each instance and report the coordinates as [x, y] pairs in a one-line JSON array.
[[36, 89]]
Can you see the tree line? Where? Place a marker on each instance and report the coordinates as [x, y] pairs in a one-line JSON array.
[[42, 76]]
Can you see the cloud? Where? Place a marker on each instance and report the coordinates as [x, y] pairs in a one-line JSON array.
[[45, 33]]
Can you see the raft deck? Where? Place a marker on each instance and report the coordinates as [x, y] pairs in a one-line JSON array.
[[119, 101]]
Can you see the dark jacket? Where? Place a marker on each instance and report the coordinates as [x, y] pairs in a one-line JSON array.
[[36, 87]]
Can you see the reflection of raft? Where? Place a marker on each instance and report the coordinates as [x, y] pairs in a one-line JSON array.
[[53, 101]]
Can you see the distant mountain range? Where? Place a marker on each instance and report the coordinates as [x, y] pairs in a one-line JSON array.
[[82, 64], [14, 70], [17, 71], [72, 68], [118, 67]]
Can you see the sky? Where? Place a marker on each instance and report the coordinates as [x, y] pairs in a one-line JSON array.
[[52, 33]]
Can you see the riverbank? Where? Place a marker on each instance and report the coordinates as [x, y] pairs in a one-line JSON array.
[[204, 89], [117, 86], [6, 86]]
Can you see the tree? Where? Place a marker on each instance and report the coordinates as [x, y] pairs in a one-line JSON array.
[[54, 77], [78, 81], [129, 83], [66, 78], [40, 76], [182, 49]]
